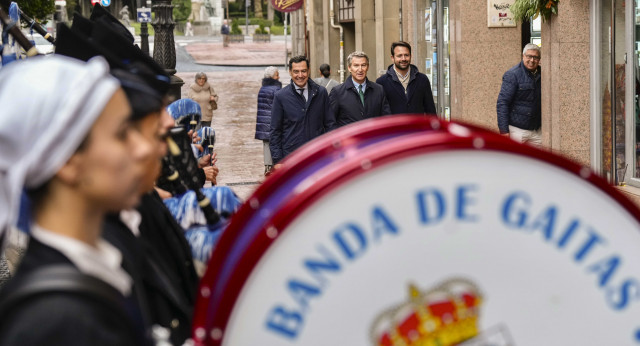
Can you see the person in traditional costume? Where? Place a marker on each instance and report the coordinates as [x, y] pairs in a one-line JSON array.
[[70, 288]]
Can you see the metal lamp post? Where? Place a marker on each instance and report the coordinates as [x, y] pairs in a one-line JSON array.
[[144, 32], [164, 50]]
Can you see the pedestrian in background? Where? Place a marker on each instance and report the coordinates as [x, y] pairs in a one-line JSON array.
[[358, 98], [325, 81], [518, 106], [300, 112], [188, 31], [203, 93], [407, 90], [224, 30], [270, 85]]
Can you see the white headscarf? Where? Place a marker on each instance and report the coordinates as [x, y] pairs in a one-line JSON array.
[[47, 107]]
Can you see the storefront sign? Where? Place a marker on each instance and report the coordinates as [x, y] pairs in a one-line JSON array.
[[437, 237], [286, 5], [498, 13]]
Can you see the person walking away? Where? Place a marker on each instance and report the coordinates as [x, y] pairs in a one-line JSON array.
[[358, 98], [188, 29], [300, 112], [408, 91], [224, 30], [203, 93], [518, 106], [270, 85], [325, 81]]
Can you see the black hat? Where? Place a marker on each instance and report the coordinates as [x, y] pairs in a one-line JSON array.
[[72, 44], [100, 14], [143, 98], [130, 55], [82, 25]]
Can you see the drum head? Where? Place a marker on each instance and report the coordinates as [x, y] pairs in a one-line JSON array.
[[432, 237]]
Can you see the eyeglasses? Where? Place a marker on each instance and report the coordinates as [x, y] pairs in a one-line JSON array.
[[532, 57]]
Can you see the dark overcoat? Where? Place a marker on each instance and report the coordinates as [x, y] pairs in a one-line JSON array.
[[418, 98], [294, 122], [519, 99], [265, 101], [347, 107]]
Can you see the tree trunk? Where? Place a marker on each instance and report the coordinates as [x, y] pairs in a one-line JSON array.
[[257, 8], [269, 11]]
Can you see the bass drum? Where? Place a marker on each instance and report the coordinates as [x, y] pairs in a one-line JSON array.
[[408, 230]]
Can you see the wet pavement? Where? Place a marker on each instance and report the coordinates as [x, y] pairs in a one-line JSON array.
[[240, 157]]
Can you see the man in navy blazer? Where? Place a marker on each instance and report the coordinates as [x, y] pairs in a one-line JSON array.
[[300, 112], [407, 90], [358, 98]]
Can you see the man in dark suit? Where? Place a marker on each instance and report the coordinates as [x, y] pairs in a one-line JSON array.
[[407, 90], [358, 98], [300, 112]]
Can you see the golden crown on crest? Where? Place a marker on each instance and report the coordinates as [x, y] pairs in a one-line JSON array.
[[444, 315]]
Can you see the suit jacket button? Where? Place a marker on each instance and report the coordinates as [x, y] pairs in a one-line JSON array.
[[175, 323]]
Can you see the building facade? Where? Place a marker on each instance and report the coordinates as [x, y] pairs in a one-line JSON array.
[[590, 66]]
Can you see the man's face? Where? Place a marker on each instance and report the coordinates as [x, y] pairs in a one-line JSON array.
[[401, 58], [358, 68], [531, 59], [299, 72]]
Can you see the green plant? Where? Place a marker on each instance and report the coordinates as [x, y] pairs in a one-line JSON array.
[[278, 30], [235, 28], [38, 9], [261, 30], [181, 10], [523, 10]]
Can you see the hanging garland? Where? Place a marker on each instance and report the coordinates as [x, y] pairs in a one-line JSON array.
[[523, 10]]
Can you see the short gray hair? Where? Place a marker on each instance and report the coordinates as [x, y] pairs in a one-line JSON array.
[[531, 46], [356, 54], [201, 75], [270, 71]]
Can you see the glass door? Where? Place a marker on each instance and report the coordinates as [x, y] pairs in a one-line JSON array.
[[633, 97], [612, 89], [433, 52]]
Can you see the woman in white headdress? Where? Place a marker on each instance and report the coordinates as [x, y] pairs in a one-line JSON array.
[[66, 136]]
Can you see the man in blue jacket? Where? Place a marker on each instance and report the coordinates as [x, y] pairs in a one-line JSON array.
[[358, 98], [407, 90], [519, 99], [270, 85], [300, 112]]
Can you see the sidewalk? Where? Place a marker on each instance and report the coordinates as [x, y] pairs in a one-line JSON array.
[[239, 54], [240, 157]]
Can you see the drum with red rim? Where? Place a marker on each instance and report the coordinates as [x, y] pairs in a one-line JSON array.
[[408, 230]]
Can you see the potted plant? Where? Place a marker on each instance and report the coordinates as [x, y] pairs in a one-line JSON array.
[[523, 10], [261, 34], [236, 35]]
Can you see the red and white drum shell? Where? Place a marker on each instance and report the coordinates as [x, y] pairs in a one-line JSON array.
[[407, 230]]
